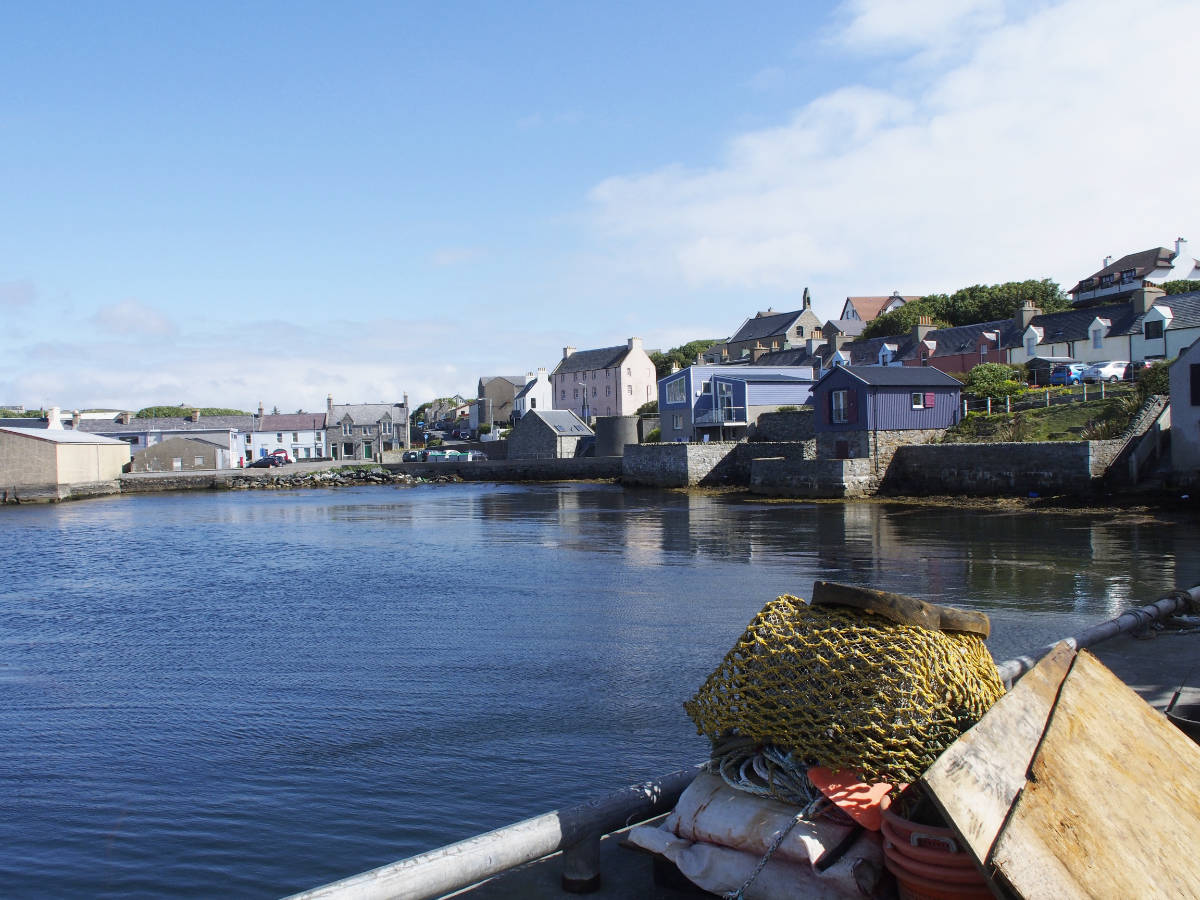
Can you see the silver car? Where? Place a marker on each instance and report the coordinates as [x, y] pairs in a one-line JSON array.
[[1113, 370]]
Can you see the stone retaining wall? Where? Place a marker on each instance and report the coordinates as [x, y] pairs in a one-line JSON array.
[[775, 427], [52, 493], [780, 477], [583, 468], [1047, 467]]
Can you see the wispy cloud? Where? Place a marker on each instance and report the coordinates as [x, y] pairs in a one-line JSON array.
[[16, 294], [131, 317], [885, 25], [456, 256], [977, 175]]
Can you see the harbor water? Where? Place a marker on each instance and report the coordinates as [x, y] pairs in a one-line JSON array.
[[246, 694]]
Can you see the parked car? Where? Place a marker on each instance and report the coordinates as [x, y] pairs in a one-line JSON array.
[[1067, 373], [1112, 370], [282, 456], [1134, 368], [265, 462], [411, 456], [464, 434]]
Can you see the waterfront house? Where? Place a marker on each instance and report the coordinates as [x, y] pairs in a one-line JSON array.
[[867, 411], [609, 381], [1185, 415], [359, 431], [228, 431], [496, 394], [549, 434], [302, 435], [722, 402], [181, 454], [765, 332], [536, 394], [50, 460], [1119, 280]]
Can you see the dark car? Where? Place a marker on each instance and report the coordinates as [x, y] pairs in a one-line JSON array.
[[1136, 368], [411, 456], [282, 456], [265, 462]]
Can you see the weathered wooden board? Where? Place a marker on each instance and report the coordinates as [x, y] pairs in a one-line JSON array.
[[902, 609], [980, 775], [1112, 803]]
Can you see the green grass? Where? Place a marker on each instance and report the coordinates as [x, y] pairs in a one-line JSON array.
[[1067, 422]]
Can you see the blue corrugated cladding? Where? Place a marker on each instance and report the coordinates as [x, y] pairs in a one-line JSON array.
[[885, 408], [778, 394]]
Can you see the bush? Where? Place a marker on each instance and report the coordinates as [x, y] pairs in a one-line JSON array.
[[653, 437], [993, 380], [485, 428], [1154, 380], [788, 409], [648, 409]]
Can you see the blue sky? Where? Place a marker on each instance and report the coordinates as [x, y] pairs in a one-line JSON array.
[[221, 205]]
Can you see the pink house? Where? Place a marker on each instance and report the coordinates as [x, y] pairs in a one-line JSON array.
[[610, 381]]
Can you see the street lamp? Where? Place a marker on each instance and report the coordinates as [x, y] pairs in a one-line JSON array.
[[584, 415]]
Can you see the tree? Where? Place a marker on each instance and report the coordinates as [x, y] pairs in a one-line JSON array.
[[992, 380], [682, 356], [1181, 287], [970, 305], [176, 412], [649, 408], [1154, 380]]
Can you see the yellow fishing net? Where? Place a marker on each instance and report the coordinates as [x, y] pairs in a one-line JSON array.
[[846, 689]]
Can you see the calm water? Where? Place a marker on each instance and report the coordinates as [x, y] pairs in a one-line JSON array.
[[247, 694]]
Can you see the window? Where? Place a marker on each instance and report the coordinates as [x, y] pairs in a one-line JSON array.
[[608, 390], [533, 402], [347, 450], [386, 427], [177, 463], [837, 400], [1153, 330], [677, 391], [295, 436], [198, 461], [1097, 338], [247, 439], [1127, 276], [629, 390], [366, 429], [677, 422], [918, 401], [576, 393], [564, 394], [706, 388], [983, 352], [1030, 345], [1106, 281], [593, 390], [347, 429]]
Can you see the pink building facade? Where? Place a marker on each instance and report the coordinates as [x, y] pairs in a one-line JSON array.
[[609, 381]]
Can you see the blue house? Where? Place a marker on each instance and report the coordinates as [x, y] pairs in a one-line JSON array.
[[720, 403], [867, 411]]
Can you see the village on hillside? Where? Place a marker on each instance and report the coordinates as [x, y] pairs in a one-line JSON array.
[[889, 371]]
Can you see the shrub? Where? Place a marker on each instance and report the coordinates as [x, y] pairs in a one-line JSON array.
[[485, 428], [654, 436], [1154, 380], [648, 409], [993, 380], [788, 409]]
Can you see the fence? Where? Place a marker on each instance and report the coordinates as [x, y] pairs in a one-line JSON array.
[[1045, 397]]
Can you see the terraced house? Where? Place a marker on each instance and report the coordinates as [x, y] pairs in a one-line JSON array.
[[609, 381], [360, 431]]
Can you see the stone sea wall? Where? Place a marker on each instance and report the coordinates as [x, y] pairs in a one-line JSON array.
[[1049, 467]]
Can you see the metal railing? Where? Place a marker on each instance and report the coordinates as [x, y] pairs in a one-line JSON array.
[[726, 415], [1041, 397]]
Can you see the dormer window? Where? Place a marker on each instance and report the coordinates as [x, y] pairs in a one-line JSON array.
[[1127, 276], [347, 429], [1152, 330], [1097, 338], [1031, 345], [1106, 281]]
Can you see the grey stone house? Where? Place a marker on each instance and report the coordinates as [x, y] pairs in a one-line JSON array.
[[497, 393], [549, 434], [361, 431], [766, 332]]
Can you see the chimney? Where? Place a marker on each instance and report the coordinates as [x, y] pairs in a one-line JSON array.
[[807, 299], [195, 415], [125, 418], [1107, 262], [541, 372], [1145, 297], [75, 417], [724, 351], [699, 359], [329, 404], [260, 412], [923, 327], [567, 351], [54, 417], [634, 343], [1026, 313], [1180, 247], [674, 367]]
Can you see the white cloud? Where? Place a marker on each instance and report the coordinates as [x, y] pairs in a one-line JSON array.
[[889, 25], [130, 317], [1053, 143]]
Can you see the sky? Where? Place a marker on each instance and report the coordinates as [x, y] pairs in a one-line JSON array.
[[222, 204]]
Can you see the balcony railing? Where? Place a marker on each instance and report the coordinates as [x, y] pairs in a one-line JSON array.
[[727, 415]]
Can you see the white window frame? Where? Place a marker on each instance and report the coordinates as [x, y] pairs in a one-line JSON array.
[[677, 391], [677, 422], [347, 429], [918, 400], [1031, 346], [1097, 338], [839, 407]]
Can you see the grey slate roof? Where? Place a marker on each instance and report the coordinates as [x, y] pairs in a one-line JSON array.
[[899, 376], [23, 422], [798, 356], [525, 390], [171, 423], [514, 380], [766, 326], [965, 338], [1072, 324], [848, 327], [292, 422], [1185, 309], [364, 413], [562, 421], [592, 360]]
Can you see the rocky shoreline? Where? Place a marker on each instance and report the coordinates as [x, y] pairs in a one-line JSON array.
[[346, 477]]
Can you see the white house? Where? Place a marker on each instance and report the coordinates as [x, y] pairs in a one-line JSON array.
[[302, 435], [537, 394], [1114, 280]]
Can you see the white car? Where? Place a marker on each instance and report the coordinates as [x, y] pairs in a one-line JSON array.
[[1114, 370]]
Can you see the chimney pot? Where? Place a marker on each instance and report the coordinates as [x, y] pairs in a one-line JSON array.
[[1107, 262], [567, 351], [195, 415], [329, 403], [634, 343]]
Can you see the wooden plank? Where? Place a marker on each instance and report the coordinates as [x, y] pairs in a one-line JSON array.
[[1112, 804], [899, 608], [975, 781]]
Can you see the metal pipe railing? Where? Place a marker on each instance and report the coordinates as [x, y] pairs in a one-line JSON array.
[[577, 829], [468, 862]]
